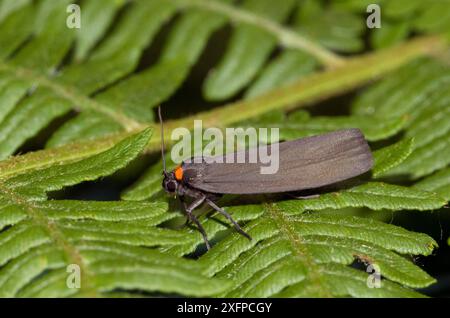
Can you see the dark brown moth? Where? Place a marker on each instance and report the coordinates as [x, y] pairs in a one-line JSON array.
[[305, 163]]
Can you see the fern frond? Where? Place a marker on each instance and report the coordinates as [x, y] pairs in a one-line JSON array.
[[288, 248], [55, 97], [49, 235]]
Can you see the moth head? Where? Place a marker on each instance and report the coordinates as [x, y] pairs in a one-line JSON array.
[[170, 183]]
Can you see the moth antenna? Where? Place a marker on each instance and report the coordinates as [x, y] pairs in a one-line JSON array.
[[162, 140]]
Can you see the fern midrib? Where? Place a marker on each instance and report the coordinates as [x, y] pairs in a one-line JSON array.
[[80, 101], [71, 252], [299, 248]]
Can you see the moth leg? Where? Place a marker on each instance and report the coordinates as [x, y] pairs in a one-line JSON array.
[[224, 213], [194, 219]]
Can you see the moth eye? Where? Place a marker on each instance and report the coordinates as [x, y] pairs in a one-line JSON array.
[[171, 186]]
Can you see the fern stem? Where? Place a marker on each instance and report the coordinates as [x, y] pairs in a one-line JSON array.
[[285, 36]]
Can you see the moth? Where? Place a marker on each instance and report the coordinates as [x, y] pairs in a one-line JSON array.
[[305, 163]]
